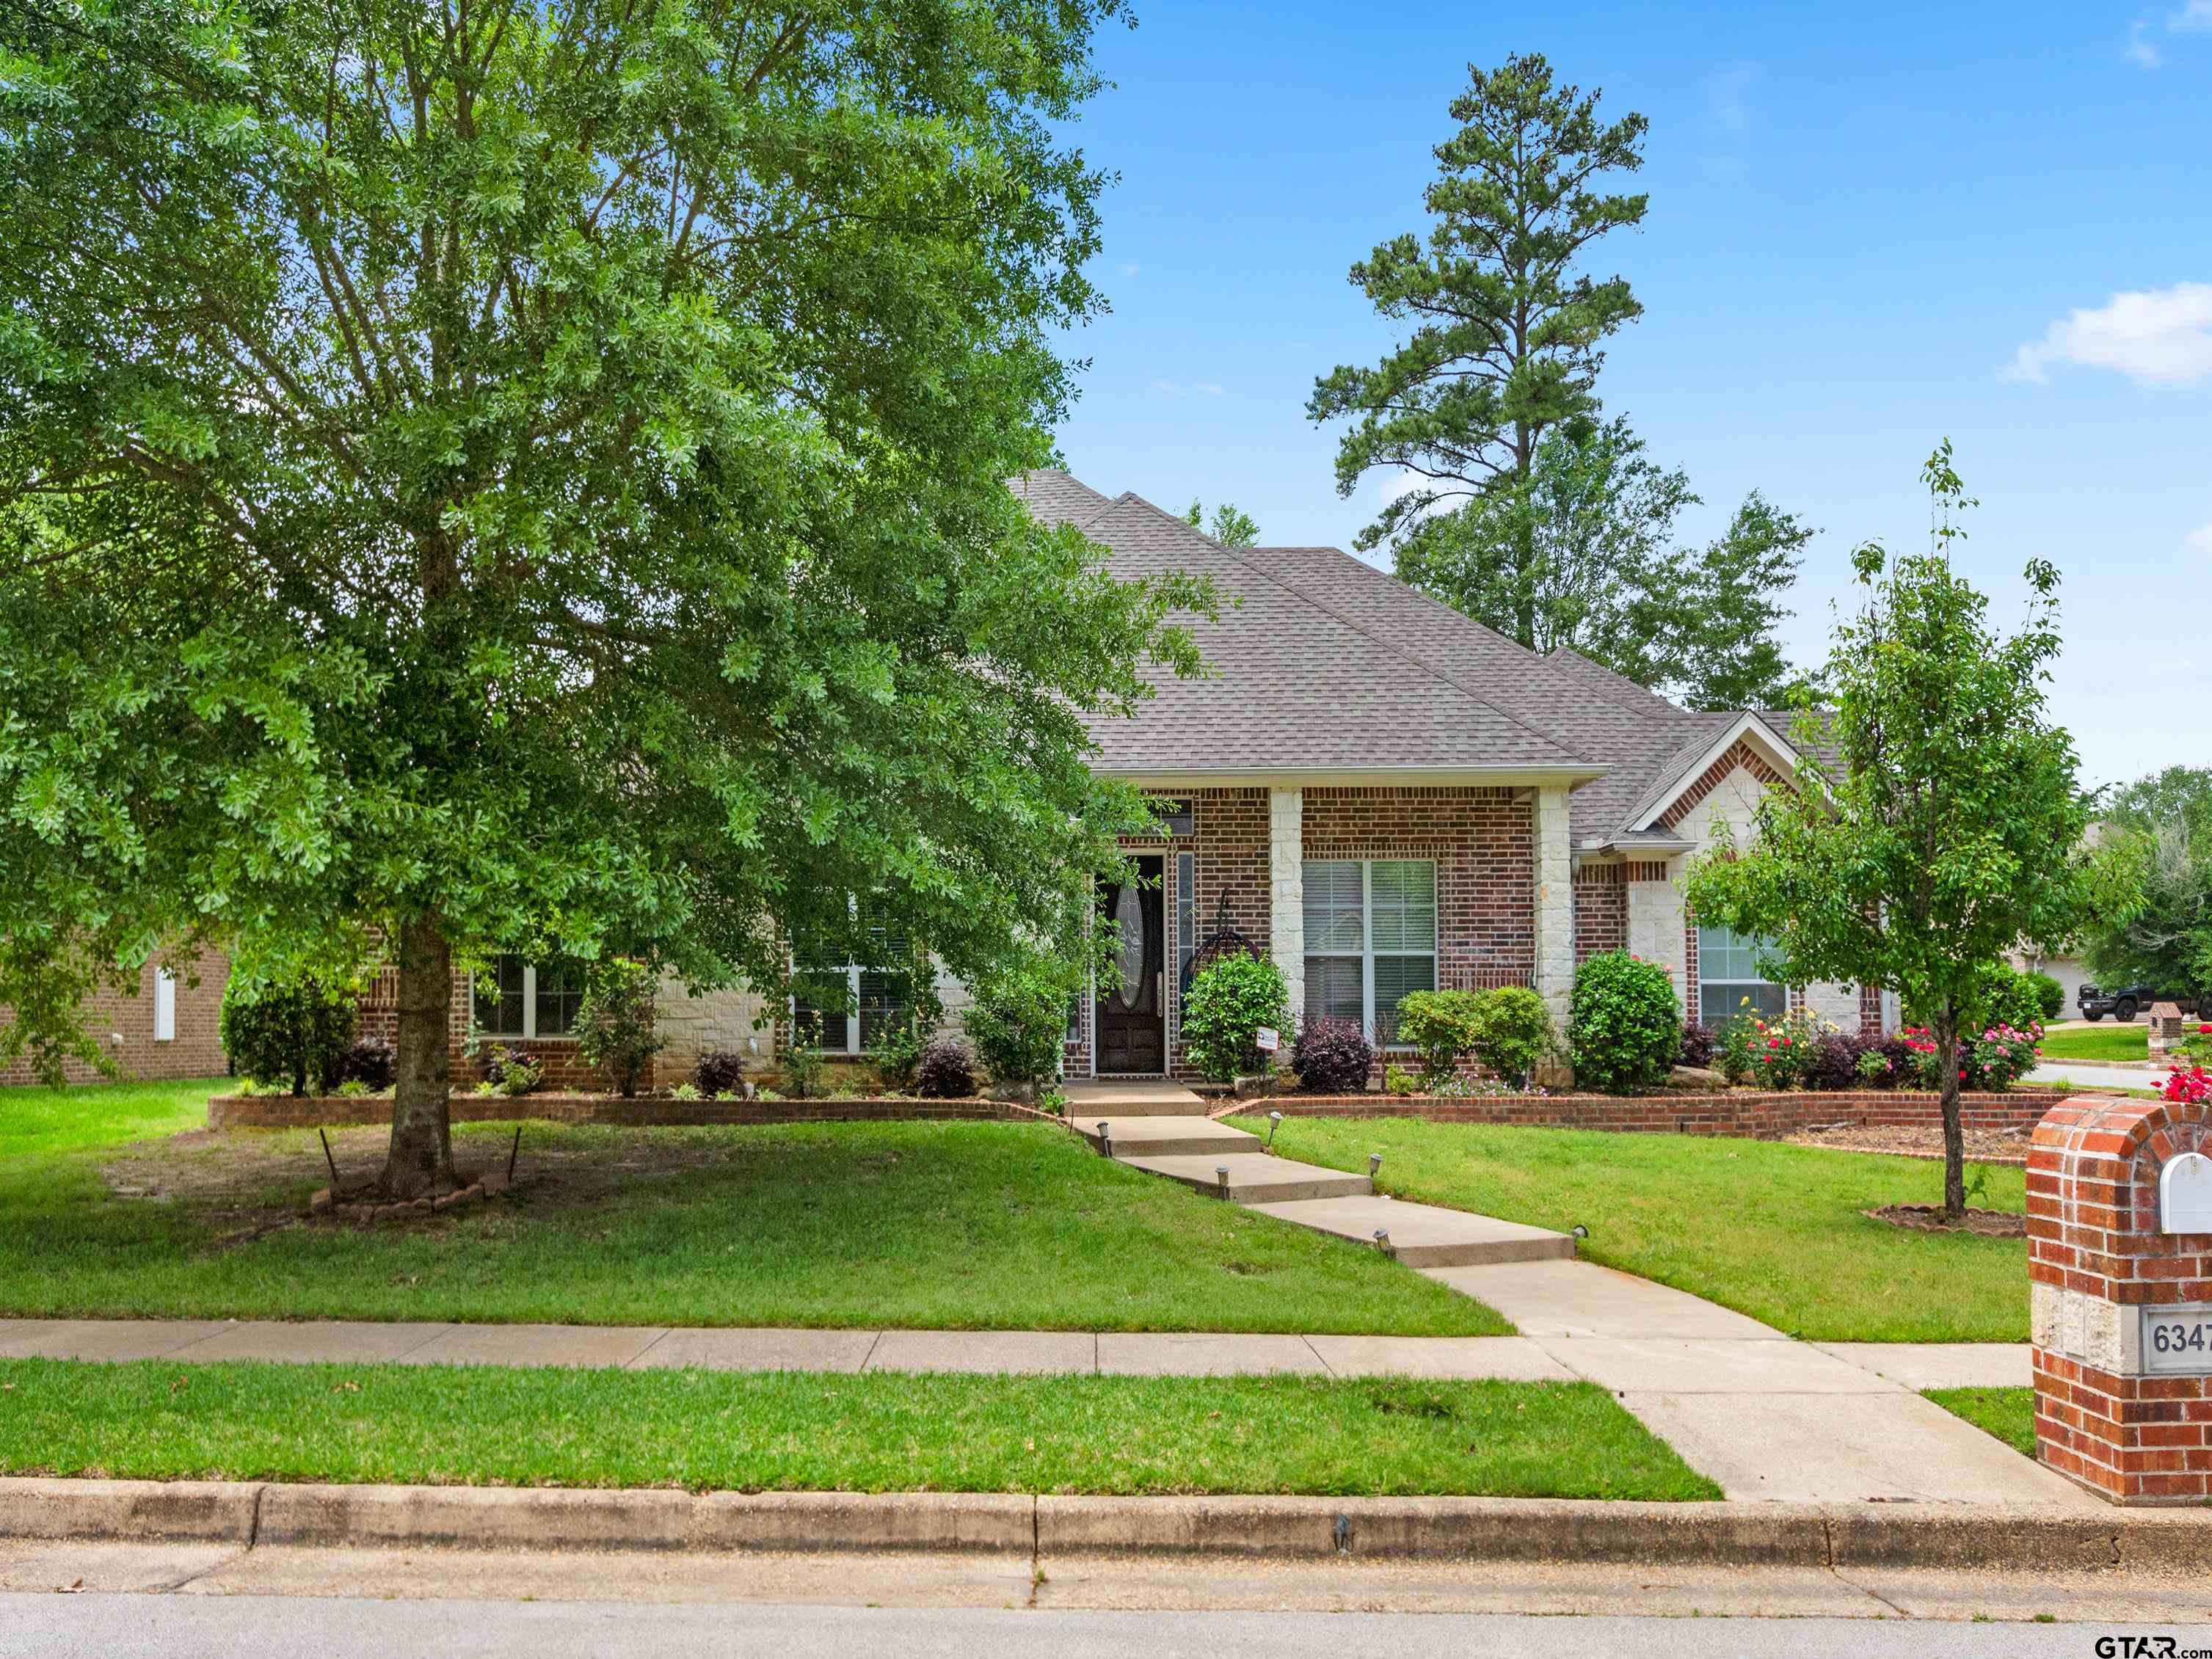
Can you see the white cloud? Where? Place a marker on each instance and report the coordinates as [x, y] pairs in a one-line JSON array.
[[1727, 99], [1127, 269], [1174, 389], [2202, 539], [2195, 17], [2141, 50], [2162, 336]]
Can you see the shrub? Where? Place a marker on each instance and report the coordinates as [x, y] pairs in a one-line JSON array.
[[1624, 1030], [1834, 1060], [295, 1033], [1875, 1065], [1732, 1046], [1443, 1026], [2050, 996], [370, 1063], [614, 1024], [946, 1071], [898, 1051], [1998, 1058], [1778, 1051], [1332, 1057], [803, 1063], [513, 1070], [1513, 1032], [1698, 1041], [1018, 1022], [1397, 1080], [2011, 999], [684, 1091], [722, 1073], [1228, 1004]]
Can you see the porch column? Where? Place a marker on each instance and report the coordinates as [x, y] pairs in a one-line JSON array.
[[1287, 892], [1555, 909]]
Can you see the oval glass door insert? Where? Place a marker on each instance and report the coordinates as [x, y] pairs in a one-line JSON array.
[[1129, 916]]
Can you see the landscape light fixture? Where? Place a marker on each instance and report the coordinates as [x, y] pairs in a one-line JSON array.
[[1105, 1138], [1221, 1174], [1581, 1231], [1381, 1238], [1374, 1163], [1274, 1122]]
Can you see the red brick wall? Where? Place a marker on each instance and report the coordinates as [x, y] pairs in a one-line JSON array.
[[284, 1112], [197, 1050], [1483, 842], [2095, 1256], [1741, 1114], [1601, 894]]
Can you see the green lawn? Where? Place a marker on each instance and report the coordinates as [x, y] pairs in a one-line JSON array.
[[2007, 1413], [785, 1430], [960, 1225], [2099, 1042], [1773, 1231]]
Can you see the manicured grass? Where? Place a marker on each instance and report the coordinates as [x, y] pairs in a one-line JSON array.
[[1773, 1231], [35, 1118], [957, 1226], [2007, 1413], [785, 1431], [2099, 1042]]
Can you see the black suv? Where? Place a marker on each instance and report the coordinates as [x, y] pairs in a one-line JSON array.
[[2129, 1000]]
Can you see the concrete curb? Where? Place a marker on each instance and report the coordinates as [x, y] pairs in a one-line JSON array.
[[248, 1514]]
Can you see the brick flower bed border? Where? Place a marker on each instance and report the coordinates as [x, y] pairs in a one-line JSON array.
[[1744, 1114], [645, 1112]]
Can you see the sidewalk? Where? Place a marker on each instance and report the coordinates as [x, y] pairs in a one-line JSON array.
[[2089, 1074]]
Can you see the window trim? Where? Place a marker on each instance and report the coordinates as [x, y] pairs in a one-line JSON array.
[[852, 971], [1366, 954], [1742, 986], [165, 1005], [529, 1032]]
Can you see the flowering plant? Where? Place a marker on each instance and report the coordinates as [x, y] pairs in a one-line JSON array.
[[2189, 1088], [1997, 1057]]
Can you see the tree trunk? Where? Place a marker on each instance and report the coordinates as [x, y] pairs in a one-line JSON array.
[[421, 1162], [1954, 1131]]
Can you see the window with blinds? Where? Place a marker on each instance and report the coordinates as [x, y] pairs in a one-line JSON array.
[[847, 1007], [1370, 926], [1728, 980]]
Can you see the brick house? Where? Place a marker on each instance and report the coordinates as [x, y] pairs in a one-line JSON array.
[[160, 1030], [1384, 795], [1379, 792]]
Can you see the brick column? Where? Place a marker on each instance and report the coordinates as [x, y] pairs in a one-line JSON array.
[[1555, 912], [1287, 892], [2124, 1409]]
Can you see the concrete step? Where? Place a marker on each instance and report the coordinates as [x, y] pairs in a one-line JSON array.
[[1253, 1177], [1422, 1235], [1165, 1136], [1145, 1098]]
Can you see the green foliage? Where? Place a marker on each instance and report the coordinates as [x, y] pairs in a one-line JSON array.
[[1019, 1021], [1230, 526], [804, 1066], [1444, 1026], [615, 1023], [1397, 1080], [1229, 1001], [946, 1071], [2009, 997], [530, 478], [1514, 1032], [2164, 937], [294, 1034], [1507, 335], [1580, 556], [2049, 996], [511, 1071], [1623, 1026], [1949, 827]]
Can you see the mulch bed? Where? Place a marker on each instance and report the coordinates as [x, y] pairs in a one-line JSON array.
[[1929, 1218], [2004, 1146]]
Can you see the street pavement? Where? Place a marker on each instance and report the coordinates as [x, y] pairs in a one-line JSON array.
[[168, 1627], [2088, 1075]]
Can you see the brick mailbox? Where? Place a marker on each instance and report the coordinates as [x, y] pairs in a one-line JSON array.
[[2119, 1226]]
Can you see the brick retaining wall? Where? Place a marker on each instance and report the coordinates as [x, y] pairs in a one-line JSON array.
[[648, 1111], [1747, 1115]]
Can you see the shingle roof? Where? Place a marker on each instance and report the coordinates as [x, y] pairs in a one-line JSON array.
[[1319, 661]]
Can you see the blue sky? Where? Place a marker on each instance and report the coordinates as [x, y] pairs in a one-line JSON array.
[[1871, 225]]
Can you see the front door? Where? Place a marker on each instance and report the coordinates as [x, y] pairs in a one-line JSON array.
[[1132, 1021]]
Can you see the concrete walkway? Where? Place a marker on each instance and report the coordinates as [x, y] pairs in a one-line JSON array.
[[1768, 1417]]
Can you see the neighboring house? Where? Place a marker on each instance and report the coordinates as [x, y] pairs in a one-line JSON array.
[[163, 1030], [2071, 971], [1384, 796]]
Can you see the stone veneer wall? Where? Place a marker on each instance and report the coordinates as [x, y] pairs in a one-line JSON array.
[[122, 1022]]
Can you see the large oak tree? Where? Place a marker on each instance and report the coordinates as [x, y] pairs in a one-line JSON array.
[[493, 476]]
